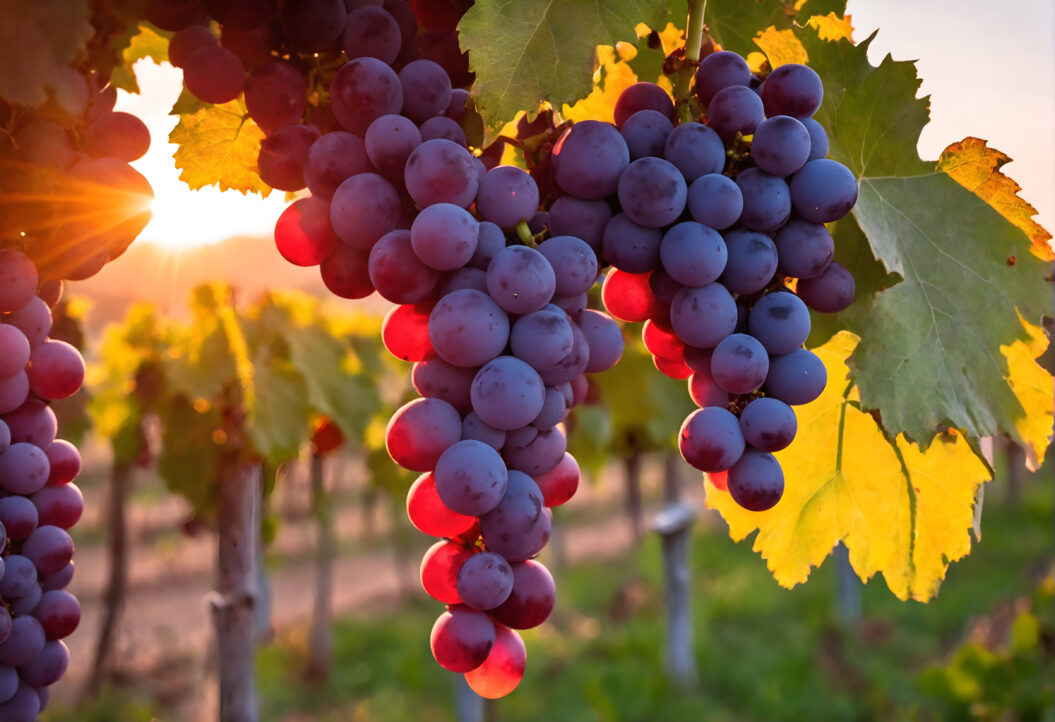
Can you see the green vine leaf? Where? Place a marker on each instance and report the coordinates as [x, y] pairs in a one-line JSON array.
[[530, 51], [931, 345]]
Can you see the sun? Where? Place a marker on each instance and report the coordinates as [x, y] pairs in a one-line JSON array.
[[184, 218]]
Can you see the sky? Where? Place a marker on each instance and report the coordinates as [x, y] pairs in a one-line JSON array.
[[989, 71]]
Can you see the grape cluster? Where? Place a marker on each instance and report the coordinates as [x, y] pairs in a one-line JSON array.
[[495, 320], [69, 200], [716, 233], [38, 499]]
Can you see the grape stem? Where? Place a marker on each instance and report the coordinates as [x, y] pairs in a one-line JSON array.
[[693, 42]]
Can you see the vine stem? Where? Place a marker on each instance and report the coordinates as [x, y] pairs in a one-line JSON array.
[[693, 43]]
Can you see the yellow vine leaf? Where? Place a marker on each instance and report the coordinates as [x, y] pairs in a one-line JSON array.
[[612, 77], [831, 27], [219, 144], [976, 167], [902, 511], [1035, 389], [781, 47]]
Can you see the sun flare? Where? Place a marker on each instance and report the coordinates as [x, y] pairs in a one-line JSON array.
[[184, 218]]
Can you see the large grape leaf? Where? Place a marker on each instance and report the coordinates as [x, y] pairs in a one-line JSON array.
[[525, 52], [902, 511], [277, 421], [930, 350], [219, 144], [39, 39]]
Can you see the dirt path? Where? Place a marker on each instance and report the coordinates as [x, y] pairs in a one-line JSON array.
[[166, 626]]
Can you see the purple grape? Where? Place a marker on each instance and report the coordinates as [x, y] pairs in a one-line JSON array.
[[554, 409], [20, 576], [435, 378], [804, 249], [14, 390], [752, 261], [8, 680], [796, 378], [473, 427], [49, 548], [444, 236], [645, 133], [364, 208], [362, 91], [718, 71], [710, 439], [60, 579], [332, 159], [604, 338], [768, 424], [532, 598], [396, 271], [631, 247], [426, 90], [19, 516], [464, 277], [693, 254], [780, 321], [589, 158], [14, 350], [652, 192], [49, 667], [715, 200], [520, 279], [830, 292], [818, 139], [489, 241], [756, 482], [28, 603], [442, 127], [735, 109], [372, 32], [24, 468], [33, 319], [33, 422], [703, 316], [420, 431], [781, 145], [440, 171], [313, 25], [275, 95], [539, 455], [519, 527], [739, 363], [485, 580], [389, 141], [695, 150], [25, 642], [470, 477], [467, 328], [214, 74], [642, 96], [571, 216], [792, 89], [242, 14], [507, 196], [542, 338], [283, 155], [823, 191], [507, 393], [574, 263], [767, 200], [24, 705]]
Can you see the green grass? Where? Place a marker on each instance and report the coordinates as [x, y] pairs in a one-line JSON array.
[[764, 653]]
